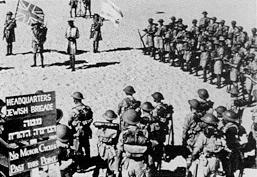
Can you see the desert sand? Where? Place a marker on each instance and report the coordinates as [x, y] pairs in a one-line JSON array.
[[102, 76]]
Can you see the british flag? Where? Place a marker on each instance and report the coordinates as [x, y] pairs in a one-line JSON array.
[[29, 13]]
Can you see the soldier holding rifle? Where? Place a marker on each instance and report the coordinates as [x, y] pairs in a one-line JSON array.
[[9, 33]]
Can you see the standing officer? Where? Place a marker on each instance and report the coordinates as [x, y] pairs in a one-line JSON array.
[[73, 6], [203, 22], [253, 40], [150, 31], [160, 34], [95, 32], [80, 119], [133, 148], [72, 34], [38, 39], [9, 33], [218, 65], [204, 60]]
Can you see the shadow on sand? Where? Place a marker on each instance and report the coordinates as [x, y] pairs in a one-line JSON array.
[[97, 65], [118, 49], [6, 68]]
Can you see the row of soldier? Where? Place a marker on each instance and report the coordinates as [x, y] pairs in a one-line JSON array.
[[211, 46], [39, 37]]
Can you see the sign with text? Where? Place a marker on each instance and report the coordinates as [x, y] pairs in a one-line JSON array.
[[31, 127], [30, 105], [26, 158]]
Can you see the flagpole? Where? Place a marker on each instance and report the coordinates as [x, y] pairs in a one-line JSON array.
[[17, 8]]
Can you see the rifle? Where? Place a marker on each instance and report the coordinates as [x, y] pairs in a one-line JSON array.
[[141, 39]]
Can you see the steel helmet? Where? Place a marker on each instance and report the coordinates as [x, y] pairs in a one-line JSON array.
[[157, 96], [131, 117], [194, 21], [203, 93], [63, 133], [230, 116], [180, 20], [220, 109], [77, 95], [109, 115], [205, 12], [210, 119], [222, 21], [214, 18], [150, 20], [147, 106], [254, 30], [233, 22], [173, 18], [240, 28], [161, 20], [9, 13], [194, 104], [129, 90]]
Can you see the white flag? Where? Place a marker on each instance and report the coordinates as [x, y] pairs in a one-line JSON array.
[[111, 12]]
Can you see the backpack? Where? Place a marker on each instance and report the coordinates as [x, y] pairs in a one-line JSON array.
[[83, 113], [132, 104], [135, 143], [165, 112], [205, 106]]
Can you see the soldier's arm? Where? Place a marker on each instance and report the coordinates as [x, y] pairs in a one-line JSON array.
[[186, 127]]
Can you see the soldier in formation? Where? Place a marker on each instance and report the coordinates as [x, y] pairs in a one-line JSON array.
[[9, 32], [222, 52], [73, 7], [95, 32]]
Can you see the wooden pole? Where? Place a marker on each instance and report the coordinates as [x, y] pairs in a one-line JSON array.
[[18, 3]]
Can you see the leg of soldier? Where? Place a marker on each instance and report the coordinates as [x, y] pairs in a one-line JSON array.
[[71, 12], [218, 81], [35, 59], [204, 75], [96, 45], [10, 52], [7, 50], [42, 59]]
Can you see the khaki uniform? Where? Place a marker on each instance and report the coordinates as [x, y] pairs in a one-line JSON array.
[[235, 62], [212, 28], [253, 70], [221, 31], [107, 140], [159, 39], [219, 61], [203, 22], [253, 43], [127, 103], [151, 29], [38, 39], [9, 33], [132, 166], [72, 34], [204, 59]]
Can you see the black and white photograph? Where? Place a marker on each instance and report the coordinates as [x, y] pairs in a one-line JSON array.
[[128, 88]]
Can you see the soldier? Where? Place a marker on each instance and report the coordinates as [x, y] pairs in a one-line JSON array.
[[160, 34], [204, 60], [194, 29], [9, 33], [218, 65], [209, 144], [206, 105], [133, 148], [232, 133], [95, 32], [213, 26], [221, 30], [73, 6], [253, 40], [219, 114], [129, 102], [80, 119], [192, 125], [38, 39], [233, 28], [65, 155], [72, 34], [240, 36], [150, 31], [87, 6], [203, 22], [107, 140]]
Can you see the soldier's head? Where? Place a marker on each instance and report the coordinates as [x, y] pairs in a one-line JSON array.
[[194, 21], [214, 19], [150, 20], [157, 97], [71, 22], [147, 107], [230, 116], [203, 94], [240, 28], [129, 90], [109, 115], [254, 30], [219, 110], [210, 121], [63, 134], [222, 22], [194, 105], [205, 13], [9, 15], [180, 20], [96, 16], [161, 21], [77, 97], [233, 23], [131, 117], [173, 18]]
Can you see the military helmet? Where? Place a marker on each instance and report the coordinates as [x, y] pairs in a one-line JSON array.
[[173, 18], [9, 13], [220, 109], [194, 103], [129, 90], [222, 21], [203, 93], [150, 20], [131, 117], [63, 133], [77, 95], [210, 119], [157, 96], [109, 115], [59, 115], [230, 116], [205, 12], [147, 106], [233, 22], [214, 18], [161, 20], [194, 21], [254, 30], [240, 28], [180, 20]]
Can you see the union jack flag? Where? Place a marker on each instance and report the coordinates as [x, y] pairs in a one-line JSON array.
[[29, 13]]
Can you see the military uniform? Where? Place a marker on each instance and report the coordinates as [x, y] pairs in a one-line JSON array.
[[235, 64], [87, 6], [9, 32], [253, 42], [204, 61], [73, 6], [218, 65], [95, 32], [150, 30], [72, 34], [203, 22], [159, 39]]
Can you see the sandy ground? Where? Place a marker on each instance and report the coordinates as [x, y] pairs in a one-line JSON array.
[[101, 77]]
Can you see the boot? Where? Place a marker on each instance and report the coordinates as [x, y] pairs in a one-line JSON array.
[[35, 60], [72, 63], [10, 49], [94, 48]]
